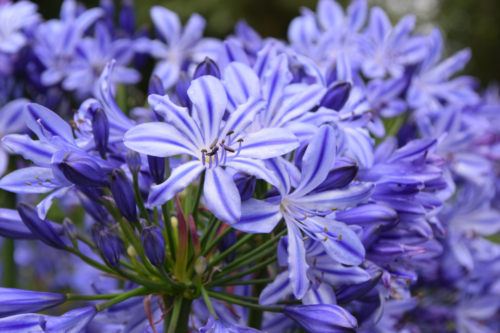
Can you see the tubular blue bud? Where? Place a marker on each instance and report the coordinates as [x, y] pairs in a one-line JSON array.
[[370, 234], [95, 231], [100, 128], [156, 86], [41, 229], [126, 18], [322, 318], [134, 161], [94, 193], [206, 67], [245, 184], [181, 89], [154, 245], [108, 6], [123, 193], [369, 214], [17, 301], [343, 173], [157, 168], [226, 243], [81, 169], [384, 252], [93, 208], [336, 96], [346, 294], [110, 248], [69, 229], [11, 225]]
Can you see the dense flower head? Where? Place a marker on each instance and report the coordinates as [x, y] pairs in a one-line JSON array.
[[345, 180]]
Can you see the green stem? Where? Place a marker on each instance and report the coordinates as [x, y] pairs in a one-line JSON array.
[[196, 202], [167, 279], [168, 301], [9, 264], [216, 241], [249, 282], [242, 274], [208, 230], [155, 214], [89, 261], [243, 241], [147, 283], [74, 297], [136, 292], [245, 304], [175, 315], [256, 251], [208, 303], [241, 298], [138, 199], [183, 322], [247, 262]]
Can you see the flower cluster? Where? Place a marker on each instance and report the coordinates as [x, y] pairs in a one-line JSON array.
[[344, 181]]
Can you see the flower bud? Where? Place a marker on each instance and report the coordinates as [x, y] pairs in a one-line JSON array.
[[206, 67], [321, 318], [93, 208], [95, 231], [123, 193], [17, 301], [110, 248], [69, 229], [100, 128], [157, 168], [181, 89], [81, 169], [341, 175], [200, 265], [42, 229], [336, 96], [154, 245], [245, 184], [226, 243], [12, 227], [346, 294], [126, 18], [134, 161], [156, 86], [131, 251]]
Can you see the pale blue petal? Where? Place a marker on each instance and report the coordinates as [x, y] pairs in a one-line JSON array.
[[38, 152], [296, 260], [222, 196], [268, 143], [276, 291], [242, 117], [240, 82], [258, 216], [167, 22], [254, 167], [29, 180], [322, 294], [343, 245], [44, 205], [46, 124]]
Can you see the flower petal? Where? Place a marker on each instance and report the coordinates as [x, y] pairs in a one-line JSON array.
[[258, 216], [38, 152], [29, 180], [276, 291], [297, 260], [268, 143], [167, 22], [222, 196], [254, 167]]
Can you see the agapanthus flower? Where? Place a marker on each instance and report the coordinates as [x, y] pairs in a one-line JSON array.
[[15, 17], [212, 145], [11, 121]]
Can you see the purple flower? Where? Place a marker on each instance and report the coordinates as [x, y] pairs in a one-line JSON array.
[[16, 16], [210, 144], [305, 211], [322, 318], [11, 121], [17, 301]]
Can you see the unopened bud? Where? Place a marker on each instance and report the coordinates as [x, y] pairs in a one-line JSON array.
[[156, 86], [134, 161], [157, 168], [81, 169], [69, 229], [154, 245], [100, 129], [95, 231], [181, 89], [200, 265], [131, 251], [123, 193], [110, 248], [206, 67]]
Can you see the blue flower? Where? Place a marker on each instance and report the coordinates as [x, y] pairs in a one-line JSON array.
[[91, 57], [17, 301], [11, 121], [322, 318], [305, 211], [211, 146], [15, 17]]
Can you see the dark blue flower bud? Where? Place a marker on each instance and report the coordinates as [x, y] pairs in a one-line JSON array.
[[369, 214], [346, 294], [123, 193], [157, 168], [384, 252], [100, 128], [81, 169], [140, 59], [134, 161], [110, 248], [108, 6], [154, 245], [343, 173], [206, 67], [17, 301], [321, 318], [245, 184], [181, 89], [156, 86], [93, 208], [69, 229], [42, 229], [94, 193], [370, 235], [126, 18], [95, 231], [226, 243], [336, 96], [331, 74]]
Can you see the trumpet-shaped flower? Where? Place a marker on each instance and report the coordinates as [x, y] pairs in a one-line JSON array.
[[211, 145], [305, 211]]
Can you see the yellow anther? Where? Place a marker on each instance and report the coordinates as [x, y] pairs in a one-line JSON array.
[[28, 183], [36, 177], [340, 238], [39, 183], [326, 229], [334, 208], [47, 180], [307, 215], [326, 238], [305, 238], [314, 262]]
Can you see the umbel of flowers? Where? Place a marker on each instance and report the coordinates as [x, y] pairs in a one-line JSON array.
[[345, 180]]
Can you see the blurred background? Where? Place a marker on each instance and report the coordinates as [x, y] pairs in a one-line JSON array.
[[465, 23]]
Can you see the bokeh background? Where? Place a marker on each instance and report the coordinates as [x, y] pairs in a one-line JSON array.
[[465, 23]]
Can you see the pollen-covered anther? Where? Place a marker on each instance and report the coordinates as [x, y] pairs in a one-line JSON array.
[[314, 262], [340, 238], [27, 183], [47, 180], [326, 238], [326, 229], [229, 149], [334, 208], [303, 239], [36, 177], [229, 133], [214, 143]]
